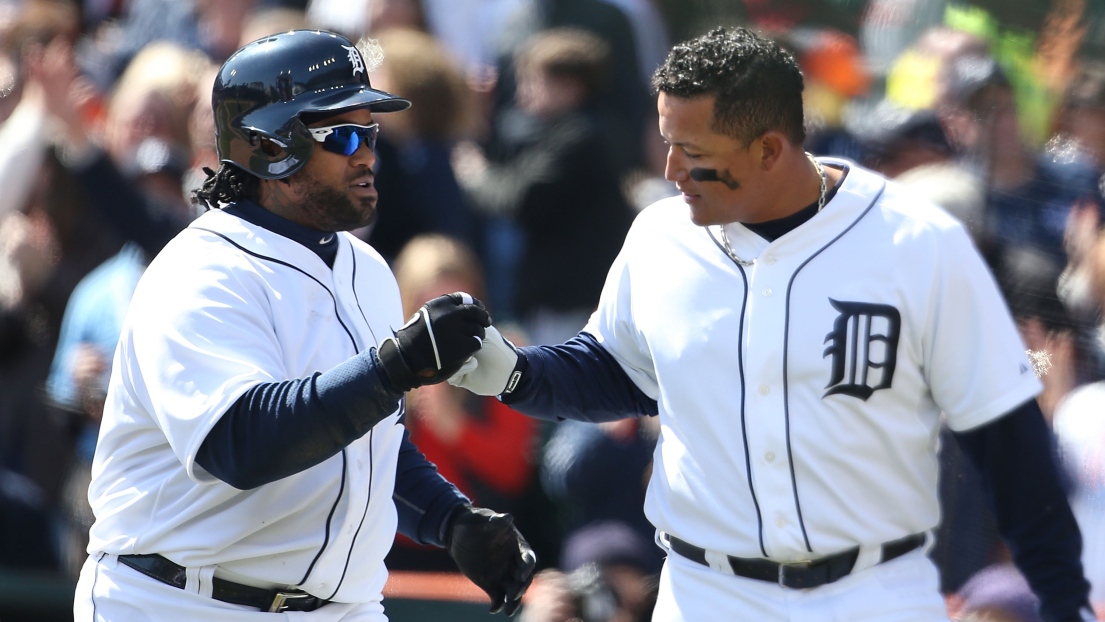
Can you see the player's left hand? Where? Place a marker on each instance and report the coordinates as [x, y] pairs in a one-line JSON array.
[[490, 551]]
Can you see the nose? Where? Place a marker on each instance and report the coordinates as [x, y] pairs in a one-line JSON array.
[[675, 169], [363, 156]]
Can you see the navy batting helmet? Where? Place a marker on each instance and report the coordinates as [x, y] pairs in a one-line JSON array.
[[261, 91]]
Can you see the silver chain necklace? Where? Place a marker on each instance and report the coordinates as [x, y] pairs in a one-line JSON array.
[[820, 206]]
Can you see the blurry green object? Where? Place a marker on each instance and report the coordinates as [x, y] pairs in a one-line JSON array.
[[1014, 49]]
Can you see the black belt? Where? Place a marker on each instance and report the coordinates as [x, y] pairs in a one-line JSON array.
[[799, 574], [273, 601]]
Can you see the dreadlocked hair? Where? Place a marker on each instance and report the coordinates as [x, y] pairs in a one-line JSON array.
[[229, 184]]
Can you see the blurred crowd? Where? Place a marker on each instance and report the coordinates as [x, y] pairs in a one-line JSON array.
[[531, 144]]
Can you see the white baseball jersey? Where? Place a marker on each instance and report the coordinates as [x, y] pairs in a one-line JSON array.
[[225, 306], [800, 398]]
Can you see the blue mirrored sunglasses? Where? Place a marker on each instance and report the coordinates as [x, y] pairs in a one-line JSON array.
[[346, 138]]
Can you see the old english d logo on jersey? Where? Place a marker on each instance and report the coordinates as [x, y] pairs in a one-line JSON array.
[[355, 59], [864, 346]]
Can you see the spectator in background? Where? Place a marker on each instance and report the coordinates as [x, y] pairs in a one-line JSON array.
[[1081, 115], [478, 443], [77, 384], [47, 243], [918, 78], [69, 242], [606, 575], [998, 593], [955, 189], [897, 140], [146, 127], [24, 132], [558, 185], [27, 257], [836, 81], [212, 27], [622, 452], [1029, 196], [419, 192], [621, 101], [1079, 136]]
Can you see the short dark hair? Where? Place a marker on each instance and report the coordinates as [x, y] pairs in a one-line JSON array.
[[570, 53], [229, 184], [757, 83]]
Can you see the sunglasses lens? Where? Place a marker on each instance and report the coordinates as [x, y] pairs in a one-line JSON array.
[[346, 139], [368, 136]]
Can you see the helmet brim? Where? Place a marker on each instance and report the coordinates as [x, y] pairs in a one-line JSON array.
[[276, 115], [373, 99]]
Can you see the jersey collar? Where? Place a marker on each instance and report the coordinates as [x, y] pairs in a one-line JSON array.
[[322, 243]]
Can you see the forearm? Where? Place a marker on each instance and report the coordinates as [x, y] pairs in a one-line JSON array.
[[22, 147], [577, 380], [1015, 456], [424, 499], [277, 429]]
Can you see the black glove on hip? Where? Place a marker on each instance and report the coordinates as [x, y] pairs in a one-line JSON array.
[[434, 342], [490, 551]]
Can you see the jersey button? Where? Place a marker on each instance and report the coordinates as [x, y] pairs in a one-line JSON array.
[[780, 521], [770, 456], [764, 389], [769, 259], [767, 292]]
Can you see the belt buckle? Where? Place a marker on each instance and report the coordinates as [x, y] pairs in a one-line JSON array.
[[783, 567], [280, 601]]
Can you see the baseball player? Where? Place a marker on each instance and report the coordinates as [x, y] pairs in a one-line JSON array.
[[799, 325], [252, 457]]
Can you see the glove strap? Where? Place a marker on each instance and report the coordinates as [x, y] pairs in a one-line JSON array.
[[445, 535], [395, 367], [515, 377]]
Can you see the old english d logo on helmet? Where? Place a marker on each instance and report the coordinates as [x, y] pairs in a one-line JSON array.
[[262, 89], [355, 59]]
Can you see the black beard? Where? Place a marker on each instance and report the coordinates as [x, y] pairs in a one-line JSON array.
[[332, 210]]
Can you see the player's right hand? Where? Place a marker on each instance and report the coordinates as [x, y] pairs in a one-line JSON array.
[[435, 341], [491, 370]]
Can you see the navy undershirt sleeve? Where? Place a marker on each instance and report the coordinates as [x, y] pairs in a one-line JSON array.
[[277, 429], [424, 500], [577, 380], [1016, 455]]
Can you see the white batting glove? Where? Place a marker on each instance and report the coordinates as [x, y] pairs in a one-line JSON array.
[[491, 370]]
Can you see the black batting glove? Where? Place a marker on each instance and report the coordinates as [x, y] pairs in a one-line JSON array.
[[492, 553], [434, 342]]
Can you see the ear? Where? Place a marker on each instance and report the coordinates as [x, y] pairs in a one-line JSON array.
[[770, 148]]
